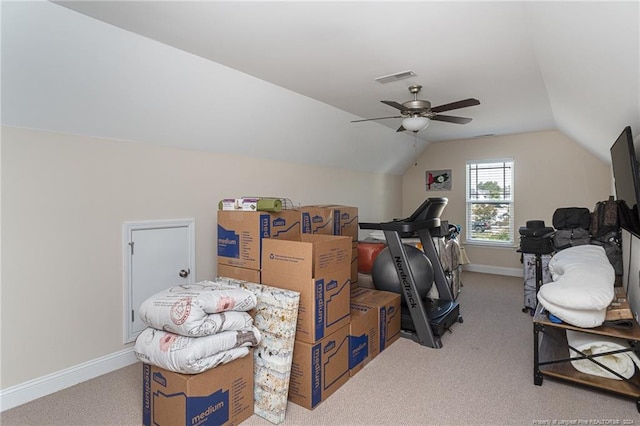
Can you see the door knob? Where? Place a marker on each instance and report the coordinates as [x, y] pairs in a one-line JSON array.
[[184, 274]]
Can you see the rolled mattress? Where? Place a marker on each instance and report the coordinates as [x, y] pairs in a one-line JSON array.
[[623, 363]]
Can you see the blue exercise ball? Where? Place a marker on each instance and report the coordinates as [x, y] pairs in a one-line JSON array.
[[385, 276]]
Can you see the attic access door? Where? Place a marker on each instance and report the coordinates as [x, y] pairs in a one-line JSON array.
[[157, 255]]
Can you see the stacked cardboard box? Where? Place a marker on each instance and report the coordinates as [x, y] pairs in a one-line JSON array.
[[354, 264], [301, 250], [240, 236], [318, 369], [363, 336], [333, 219], [319, 268], [388, 314], [330, 219], [220, 396], [316, 220]]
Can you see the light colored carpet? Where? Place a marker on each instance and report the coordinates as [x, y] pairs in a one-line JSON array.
[[483, 375]]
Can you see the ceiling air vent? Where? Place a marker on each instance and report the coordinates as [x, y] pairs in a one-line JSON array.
[[395, 77]]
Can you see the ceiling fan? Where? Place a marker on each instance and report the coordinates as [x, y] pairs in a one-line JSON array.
[[417, 113]]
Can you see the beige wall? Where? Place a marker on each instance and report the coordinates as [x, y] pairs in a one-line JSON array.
[[64, 201], [551, 171]]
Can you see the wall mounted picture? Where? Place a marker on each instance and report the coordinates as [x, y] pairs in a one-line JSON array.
[[438, 180]]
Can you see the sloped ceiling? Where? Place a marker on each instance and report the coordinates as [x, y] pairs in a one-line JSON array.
[[571, 66]]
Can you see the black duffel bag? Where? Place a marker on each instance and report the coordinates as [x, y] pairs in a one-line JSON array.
[[572, 218], [536, 238], [565, 238]]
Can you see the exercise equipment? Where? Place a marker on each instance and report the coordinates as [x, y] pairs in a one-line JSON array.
[[405, 269], [385, 276]]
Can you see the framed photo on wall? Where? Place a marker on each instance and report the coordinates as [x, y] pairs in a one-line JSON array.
[[438, 180]]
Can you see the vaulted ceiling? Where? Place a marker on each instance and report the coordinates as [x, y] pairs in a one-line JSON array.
[[571, 66]]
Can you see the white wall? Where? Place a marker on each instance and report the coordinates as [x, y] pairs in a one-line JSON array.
[[551, 171], [64, 201]]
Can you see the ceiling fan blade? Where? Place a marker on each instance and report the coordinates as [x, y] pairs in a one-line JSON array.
[[396, 105], [456, 105], [451, 119], [379, 118], [401, 129]]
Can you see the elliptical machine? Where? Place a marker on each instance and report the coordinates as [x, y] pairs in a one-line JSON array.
[[405, 269]]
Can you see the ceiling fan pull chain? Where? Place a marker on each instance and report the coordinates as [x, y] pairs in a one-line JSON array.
[[415, 149]]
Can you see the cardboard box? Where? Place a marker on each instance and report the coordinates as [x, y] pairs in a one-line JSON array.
[[242, 274], [619, 307], [220, 396], [387, 304], [354, 263], [365, 280], [316, 220], [363, 336], [240, 234], [318, 267], [319, 369], [345, 218]]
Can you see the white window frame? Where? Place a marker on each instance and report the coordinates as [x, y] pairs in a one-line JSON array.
[[469, 202]]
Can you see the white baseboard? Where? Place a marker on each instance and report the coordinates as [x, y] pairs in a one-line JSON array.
[[496, 270], [28, 391]]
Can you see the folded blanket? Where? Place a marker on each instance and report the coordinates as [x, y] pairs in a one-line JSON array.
[[622, 363], [582, 286], [199, 309], [192, 355]]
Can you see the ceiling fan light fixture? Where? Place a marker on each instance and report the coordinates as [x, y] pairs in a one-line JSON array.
[[415, 124]]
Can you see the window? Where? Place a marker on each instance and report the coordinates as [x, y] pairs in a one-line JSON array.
[[490, 202]]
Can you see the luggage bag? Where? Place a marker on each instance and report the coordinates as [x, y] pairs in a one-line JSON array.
[[572, 227], [531, 279], [536, 246]]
